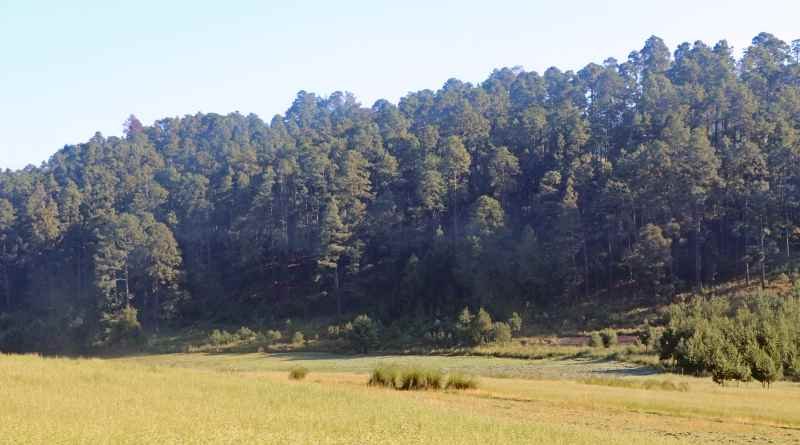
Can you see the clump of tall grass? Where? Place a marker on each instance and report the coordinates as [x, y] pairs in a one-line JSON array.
[[596, 340], [461, 381], [384, 375], [298, 373], [414, 378]]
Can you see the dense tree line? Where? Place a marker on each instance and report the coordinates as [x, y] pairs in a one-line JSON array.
[[659, 173], [756, 339]]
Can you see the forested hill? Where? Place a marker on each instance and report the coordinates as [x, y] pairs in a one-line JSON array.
[[655, 174]]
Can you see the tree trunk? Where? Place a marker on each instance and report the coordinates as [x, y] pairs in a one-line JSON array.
[[585, 269], [156, 307], [127, 289], [763, 255], [6, 287], [610, 264], [337, 291], [747, 273], [698, 260], [788, 252]]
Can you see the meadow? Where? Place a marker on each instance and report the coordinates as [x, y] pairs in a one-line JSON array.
[[248, 398]]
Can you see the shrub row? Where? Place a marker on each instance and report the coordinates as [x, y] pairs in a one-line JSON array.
[[243, 335]]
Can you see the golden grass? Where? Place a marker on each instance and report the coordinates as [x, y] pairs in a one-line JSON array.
[[246, 398]]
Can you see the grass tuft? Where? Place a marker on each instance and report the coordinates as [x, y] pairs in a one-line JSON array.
[[416, 378], [298, 373], [409, 378], [384, 375], [461, 381]]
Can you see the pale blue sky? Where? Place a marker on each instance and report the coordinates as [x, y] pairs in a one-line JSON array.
[[68, 69]]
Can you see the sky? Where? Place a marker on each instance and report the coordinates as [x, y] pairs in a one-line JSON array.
[[69, 69]]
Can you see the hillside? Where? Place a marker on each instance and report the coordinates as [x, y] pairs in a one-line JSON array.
[[633, 180]]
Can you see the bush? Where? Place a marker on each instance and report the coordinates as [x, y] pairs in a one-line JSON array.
[[609, 337], [270, 336], [298, 373], [220, 337], [334, 332], [298, 338], [463, 326], [515, 322], [124, 328], [650, 337], [481, 327], [363, 335], [461, 381], [595, 340], [501, 332], [246, 334], [765, 369]]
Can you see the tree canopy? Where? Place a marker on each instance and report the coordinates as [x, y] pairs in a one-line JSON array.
[[659, 173]]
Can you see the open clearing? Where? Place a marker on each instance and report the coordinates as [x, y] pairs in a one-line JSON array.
[[247, 398]]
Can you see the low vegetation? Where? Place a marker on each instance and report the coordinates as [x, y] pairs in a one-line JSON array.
[[298, 373], [461, 381], [415, 378], [755, 339]]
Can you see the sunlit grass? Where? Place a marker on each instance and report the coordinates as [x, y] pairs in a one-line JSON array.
[[92, 401]]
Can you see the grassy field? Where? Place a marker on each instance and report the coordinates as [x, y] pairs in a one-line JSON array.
[[247, 398]]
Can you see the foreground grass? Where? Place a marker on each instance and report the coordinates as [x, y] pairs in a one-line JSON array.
[[94, 401], [583, 392]]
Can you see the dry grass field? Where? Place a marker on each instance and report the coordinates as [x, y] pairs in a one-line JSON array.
[[248, 398]]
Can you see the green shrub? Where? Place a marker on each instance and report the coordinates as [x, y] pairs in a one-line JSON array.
[[333, 331], [481, 329], [270, 336], [650, 337], [298, 338], [758, 338], [463, 326], [363, 335], [439, 337], [220, 337], [246, 334], [461, 381], [595, 340], [609, 337], [298, 373], [765, 369], [124, 328], [501, 332], [515, 322]]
